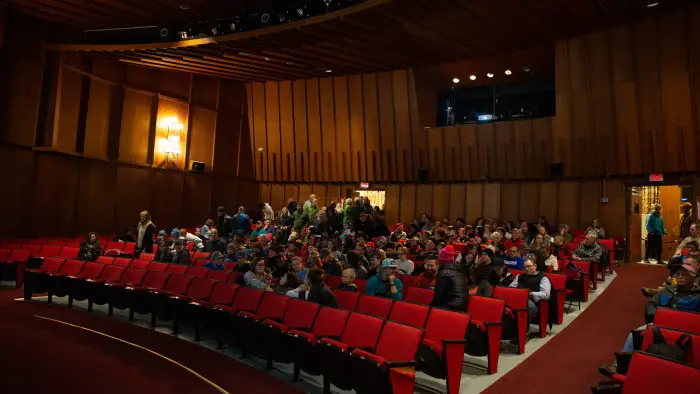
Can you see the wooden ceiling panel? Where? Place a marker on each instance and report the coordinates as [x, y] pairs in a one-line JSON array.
[[373, 36]]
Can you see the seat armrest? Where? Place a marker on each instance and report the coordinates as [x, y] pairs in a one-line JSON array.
[[365, 348], [400, 364], [492, 323], [454, 341], [623, 362]]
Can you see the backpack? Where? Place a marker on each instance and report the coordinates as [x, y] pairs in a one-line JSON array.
[[674, 351]]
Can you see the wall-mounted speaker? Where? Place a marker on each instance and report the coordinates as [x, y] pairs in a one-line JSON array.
[[423, 175], [197, 166]]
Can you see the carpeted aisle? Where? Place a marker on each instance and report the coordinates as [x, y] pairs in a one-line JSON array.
[[569, 362], [43, 356]]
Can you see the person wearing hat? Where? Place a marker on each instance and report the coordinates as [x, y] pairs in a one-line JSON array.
[[181, 255], [164, 252], [385, 283], [451, 285], [447, 255], [216, 262], [686, 219], [223, 224]]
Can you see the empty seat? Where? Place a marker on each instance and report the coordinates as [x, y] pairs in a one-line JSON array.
[[485, 329], [73, 244], [300, 315], [115, 245], [49, 251], [407, 313], [222, 294], [5, 254], [69, 253], [35, 281], [361, 285], [201, 255], [33, 249], [200, 289], [54, 242], [419, 296], [105, 260], [680, 320], [247, 300], [176, 269], [374, 306], [516, 312], [347, 300], [558, 292], [385, 370], [37, 241], [147, 256], [86, 287], [651, 374], [197, 272], [200, 262], [442, 349], [102, 294], [136, 298], [123, 261], [12, 268], [219, 275], [140, 264], [129, 247], [157, 266], [162, 304], [251, 336]]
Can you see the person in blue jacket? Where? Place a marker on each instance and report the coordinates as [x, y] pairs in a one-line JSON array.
[[385, 283], [655, 232]]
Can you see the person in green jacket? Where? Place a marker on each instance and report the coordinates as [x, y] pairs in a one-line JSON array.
[[385, 283], [312, 208], [346, 212], [655, 231]]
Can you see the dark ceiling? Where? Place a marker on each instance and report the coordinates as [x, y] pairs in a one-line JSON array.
[[375, 35]]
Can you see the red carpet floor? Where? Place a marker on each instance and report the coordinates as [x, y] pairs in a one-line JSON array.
[[569, 362], [41, 356]]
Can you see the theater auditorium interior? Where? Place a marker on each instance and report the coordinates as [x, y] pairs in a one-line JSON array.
[[336, 196]]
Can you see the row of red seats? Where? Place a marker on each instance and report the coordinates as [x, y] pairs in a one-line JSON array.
[[379, 347]]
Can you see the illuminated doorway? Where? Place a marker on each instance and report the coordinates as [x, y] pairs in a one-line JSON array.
[[376, 197]]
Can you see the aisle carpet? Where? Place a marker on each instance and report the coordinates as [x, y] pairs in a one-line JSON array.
[[569, 362], [43, 356]]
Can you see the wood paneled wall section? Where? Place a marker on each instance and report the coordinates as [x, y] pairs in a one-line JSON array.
[[337, 129], [571, 202], [100, 178]]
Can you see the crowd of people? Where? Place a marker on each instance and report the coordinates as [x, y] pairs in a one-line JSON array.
[[294, 250]]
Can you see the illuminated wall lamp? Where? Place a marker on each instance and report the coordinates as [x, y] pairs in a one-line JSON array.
[[171, 145]]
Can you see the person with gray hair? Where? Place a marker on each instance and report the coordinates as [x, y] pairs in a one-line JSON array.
[[588, 249], [655, 231]]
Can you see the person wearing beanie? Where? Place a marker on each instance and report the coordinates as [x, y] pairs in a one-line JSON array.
[[447, 255], [451, 285], [216, 261], [385, 283]]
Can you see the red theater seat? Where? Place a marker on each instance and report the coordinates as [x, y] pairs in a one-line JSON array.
[[105, 260], [123, 261], [361, 285], [133, 277], [333, 281], [219, 275], [412, 314], [140, 264], [156, 266], [13, 267], [516, 311], [137, 298], [419, 296], [35, 280], [176, 269], [53, 242], [485, 329], [347, 300], [129, 247], [162, 304], [115, 245], [69, 253], [197, 272], [271, 309], [200, 289], [374, 306], [223, 294], [558, 300], [147, 256], [33, 249], [300, 315], [651, 374], [5, 254], [73, 244], [680, 320], [201, 255], [37, 241], [50, 251]]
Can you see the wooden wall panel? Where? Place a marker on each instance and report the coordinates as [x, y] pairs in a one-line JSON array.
[[313, 106], [291, 191], [541, 148], [492, 200], [98, 119], [343, 153], [357, 129], [260, 132], [196, 199], [16, 169], [451, 154], [335, 193], [561, 124], [625, 100], [458, 197], [528, 206], [95, 198], [233, 148], [205, 91], [371, 117], [509, 201], [693, 35], [402, 126], [328, 132], [419, 119], [170, 109], [470, 152], [440, 201], [136, 119], [424, 196], [56, 187], [166, 199], [67, 109], [504, 150], [130, 203], [522, 136], [174, 83], [408, 204], [601, 96], [274, 145], [319, 189], [548, 199], [386, 126], [589, 203], [613, 214], [475, 199], [393, 199], [580, 104], [568, 203], [287, 131], [202, 138], [301, 140], [143, 78], [24, 80], [305, 191], [436, 160], [486, 143], [277, 198], [265, 192]]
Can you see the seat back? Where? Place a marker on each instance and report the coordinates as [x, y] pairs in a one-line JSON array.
[[155, 280], [346, 299], [330, 322], [11, 245], [398, 342], [129, 247], [197, 272], [300, 314], [20, 255], [200, 262], [5, 254], [37, 241], [218, 275], [445, 325], [486, 309], [54, 242], [361, 285], [123, 261], [651, 374], [679, 320], [558, 281], [178, 284], [408, 313], [69, 253], [273, 306], [93, 270], [49, 251], [134, 276], [147, 256], [247, 299], [52, 264], [73, 244], [692, 356], [72, 267], [32, 248], [140, 264], [374, 306], [228, 266], [333, 281], [105, 260], [515, 298], [223, 293], [113, 273], [201, 255], [419, 296], [156, 266], [115, 245], [362, 331], [201, 288], [176, 269]]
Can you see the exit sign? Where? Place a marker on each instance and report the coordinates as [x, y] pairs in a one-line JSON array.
[[364, 185], [656, 177]]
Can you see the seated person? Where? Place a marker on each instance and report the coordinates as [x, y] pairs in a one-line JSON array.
[[536, 282], [501, 276], [296, 276], [588, 249], [216, 262], [258, 278], [405, 265], [90, 248], [398, 234], [181, 255], [230, 254], [214, 244], [684, 295], [480, 276], [126, 236], [189, 237], [451, 286], [426, 280], [385, 283], [315, 290], [513, 260], [346, 281], [265, 227], [550, 259], [164, 252], [330, 264], [693, 238], [596, 229]]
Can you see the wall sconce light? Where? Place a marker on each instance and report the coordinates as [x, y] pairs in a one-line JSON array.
[[172, 143]]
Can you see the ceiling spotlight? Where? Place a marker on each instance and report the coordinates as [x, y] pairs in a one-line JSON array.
[[652, 4], [264, 18], [526, 69], [508, 72], [186, 7], [490, 75], [472, 77], [267, 59], [455, 80], [329, 70]]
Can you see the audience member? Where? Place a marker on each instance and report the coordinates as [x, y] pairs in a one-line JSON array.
[[315, 290], [426, 280], [189, 237], [693, 236], [258, 278], [597, 229], [346, 281], [536, 282], [330, 264], [513, 259], [216, 262], [180, 255], [385, 283], [223, 224], [164, 252], [240, 222], [451, 286], [90, 248], [208, 225], [588, 249], [405, 265], [550, 259], [214, 243]]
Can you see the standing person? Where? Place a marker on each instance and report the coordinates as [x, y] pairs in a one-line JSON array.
[[144, 236], [90, 248], [223, 224], [655, 231], [240, 222], [208, 225], [686, 219]]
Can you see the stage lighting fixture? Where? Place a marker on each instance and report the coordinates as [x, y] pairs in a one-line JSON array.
[[508, 72], [490, 75], [265, 18], [472, 77], [526, 69], [650, 5], [455, 80]]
